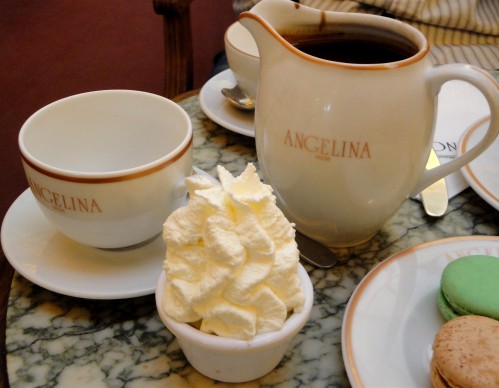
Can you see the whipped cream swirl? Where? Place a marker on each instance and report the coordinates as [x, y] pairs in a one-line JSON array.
[[231, 261]]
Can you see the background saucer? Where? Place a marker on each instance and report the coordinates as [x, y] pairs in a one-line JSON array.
[[215, 106], [47, 258], [482, 173]]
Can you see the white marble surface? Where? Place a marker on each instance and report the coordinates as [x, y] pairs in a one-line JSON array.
[[59, 341]]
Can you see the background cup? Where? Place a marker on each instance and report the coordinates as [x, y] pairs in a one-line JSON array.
[[243, 58], [107, 167], [236, 360]]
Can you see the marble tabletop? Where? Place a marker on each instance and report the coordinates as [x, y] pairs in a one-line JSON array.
[[57, 341]]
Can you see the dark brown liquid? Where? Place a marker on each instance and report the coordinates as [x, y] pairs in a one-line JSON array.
[[358, 49]]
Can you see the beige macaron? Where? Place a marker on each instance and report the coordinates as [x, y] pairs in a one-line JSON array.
[[466, 353]]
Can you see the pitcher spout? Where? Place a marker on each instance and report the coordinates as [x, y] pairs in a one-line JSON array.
[[270, 20], [256, 22]]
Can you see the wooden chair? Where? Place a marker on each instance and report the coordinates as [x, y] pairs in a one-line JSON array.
[[193, 35], [178, 45]]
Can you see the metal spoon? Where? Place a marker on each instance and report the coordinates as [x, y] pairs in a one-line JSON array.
[[238, 99], [435, 197], [314, 253]]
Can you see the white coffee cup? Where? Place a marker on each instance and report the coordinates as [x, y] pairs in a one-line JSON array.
[[243, 58], [107, 167]]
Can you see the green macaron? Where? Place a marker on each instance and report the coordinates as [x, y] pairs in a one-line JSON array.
[[445, 308], [470, 285]]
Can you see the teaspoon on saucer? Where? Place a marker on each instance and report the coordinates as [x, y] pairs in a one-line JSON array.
[[238, 99]]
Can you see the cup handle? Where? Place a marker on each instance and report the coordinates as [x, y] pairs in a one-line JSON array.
[[479, 78]]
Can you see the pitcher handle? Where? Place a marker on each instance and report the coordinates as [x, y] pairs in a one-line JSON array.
[[482, 80]]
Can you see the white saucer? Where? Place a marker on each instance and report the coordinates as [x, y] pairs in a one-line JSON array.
[[482, 173], [392, 317], [49, 259], [215, 106]]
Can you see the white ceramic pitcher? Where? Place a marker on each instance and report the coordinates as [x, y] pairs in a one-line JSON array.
[[344, 144]]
